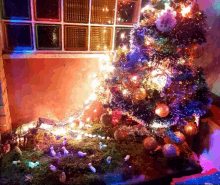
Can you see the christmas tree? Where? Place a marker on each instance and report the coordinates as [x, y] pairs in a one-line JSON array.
[[154, 82]]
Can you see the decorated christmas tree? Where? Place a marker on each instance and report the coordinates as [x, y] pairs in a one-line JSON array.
[[154, 83]]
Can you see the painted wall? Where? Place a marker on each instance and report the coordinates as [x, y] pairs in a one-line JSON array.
[[210, 58], [40, 87]]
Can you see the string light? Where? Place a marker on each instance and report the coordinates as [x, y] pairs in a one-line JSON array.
[[122, 35]]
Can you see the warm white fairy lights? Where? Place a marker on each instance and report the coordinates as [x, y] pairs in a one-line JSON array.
[[185, 10]]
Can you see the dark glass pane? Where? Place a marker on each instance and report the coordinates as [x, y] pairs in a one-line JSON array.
[[47, 9], [76, 38], [76, 11], [48, 37], [127, 12], [16, 9], [103, 11], [122, 37], [19, 36], [101, 38]]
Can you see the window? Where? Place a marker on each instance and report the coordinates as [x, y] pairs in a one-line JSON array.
[[68, 26]]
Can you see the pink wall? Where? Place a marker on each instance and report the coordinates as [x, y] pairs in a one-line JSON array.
[[37, 87]]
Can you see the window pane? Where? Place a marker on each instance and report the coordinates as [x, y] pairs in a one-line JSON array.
[[122, 37], [47, 9], [18, 36], [101, 38], [103, 11], [76, 38], [48, 37], [16, 9], [76, 11], [127, 11]]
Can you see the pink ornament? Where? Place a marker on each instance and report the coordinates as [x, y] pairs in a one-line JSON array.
[[166, 22]]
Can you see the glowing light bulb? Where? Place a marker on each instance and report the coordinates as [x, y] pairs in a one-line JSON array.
[[88, 119], [185, 10], [26, 128], [79, 137], [92, 97], [125, 91], [95, 83], [95, 110], [122, 36], [124, 48], [71, 119]]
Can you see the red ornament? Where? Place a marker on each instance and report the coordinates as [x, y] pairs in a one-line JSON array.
[[116, 116], [162, 110], [150, 143], [113, 89], [120, 135]]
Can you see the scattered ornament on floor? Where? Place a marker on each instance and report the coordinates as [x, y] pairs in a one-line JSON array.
[[127, 157], [82, 154], [59, 155], [108, 160], [101, 146], [32, 165], [191, 129], [162, 110], [16, 162], [150, 143], [28, 177], [169, 150], [53, 168], [64, 141], [92, 168], [52, 152], [62, 177], [65, 151]]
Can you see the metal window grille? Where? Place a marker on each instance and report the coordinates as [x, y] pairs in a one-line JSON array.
[[76, 11], [101, 38], [76, 38]]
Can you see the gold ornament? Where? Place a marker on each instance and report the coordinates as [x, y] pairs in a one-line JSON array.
[[140, 94], [162, 110], [191, 128]]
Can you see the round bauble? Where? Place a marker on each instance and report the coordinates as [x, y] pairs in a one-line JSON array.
[[179, 138], [162, 110], [120, 135], [170, 150], [191, 128], [150, 143], [135, 80], [140, 94], [166, 22], [106, 119], [126, 82]]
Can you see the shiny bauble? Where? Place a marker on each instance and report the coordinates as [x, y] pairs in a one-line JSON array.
[[126, 82], [191, 129], [135, 80], [150, 143], [140, 94], [120, 135], [106, 119], [162, 110], [179, 138], [166, 22], [170, 150]]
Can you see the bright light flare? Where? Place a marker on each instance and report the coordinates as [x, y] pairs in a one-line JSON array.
[[185, 10], [95, 83], [59, 131], [122, 35]]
